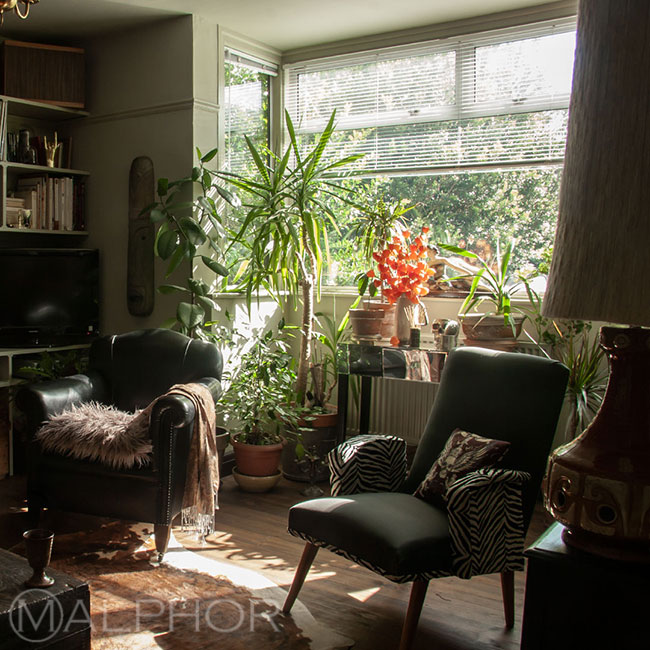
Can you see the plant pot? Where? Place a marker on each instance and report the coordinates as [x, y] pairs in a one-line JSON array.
[[387, 328], [321, 438], [256, 483], [490, 331], [257, 460], [366, 323]]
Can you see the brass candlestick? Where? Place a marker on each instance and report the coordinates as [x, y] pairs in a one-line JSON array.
[[38, 546]]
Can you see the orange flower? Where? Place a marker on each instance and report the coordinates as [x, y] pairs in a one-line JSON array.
[[371, 273], [394, 341]]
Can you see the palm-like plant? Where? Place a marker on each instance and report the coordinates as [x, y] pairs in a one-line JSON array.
[[284, 228], [492, 282]]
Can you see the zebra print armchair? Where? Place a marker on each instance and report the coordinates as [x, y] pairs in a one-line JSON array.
[[373, 518]]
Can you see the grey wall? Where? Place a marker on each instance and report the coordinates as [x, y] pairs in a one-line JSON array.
[[140, 95]]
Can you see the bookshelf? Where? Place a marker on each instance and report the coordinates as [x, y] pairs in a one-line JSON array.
[[53, 196]]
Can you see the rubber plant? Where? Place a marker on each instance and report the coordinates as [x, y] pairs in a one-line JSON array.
[[191, 231], [284, 228]]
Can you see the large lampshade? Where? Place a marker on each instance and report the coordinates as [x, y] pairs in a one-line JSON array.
[[599, 485]]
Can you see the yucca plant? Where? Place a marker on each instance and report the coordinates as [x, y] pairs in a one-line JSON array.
[[284, 229]]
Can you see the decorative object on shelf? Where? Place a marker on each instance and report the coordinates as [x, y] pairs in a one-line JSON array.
[[495, 282], [408, 316], [9, 5], [366, 323], [445, 334], [38, 548], [140, 291], [50, 150], [26, 153], [598, 485]]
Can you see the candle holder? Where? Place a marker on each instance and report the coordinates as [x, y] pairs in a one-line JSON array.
[[38, 547]]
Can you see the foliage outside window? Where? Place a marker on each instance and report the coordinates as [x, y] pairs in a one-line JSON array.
[[470, 131]]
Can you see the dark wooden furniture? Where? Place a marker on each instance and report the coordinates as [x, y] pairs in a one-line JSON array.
[[578, 600], [57, 618], [379, 360]]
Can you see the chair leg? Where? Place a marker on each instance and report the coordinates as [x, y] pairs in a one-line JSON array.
[[34, 510], [161, 535], [508, 591], [308, 555], [418, 592]]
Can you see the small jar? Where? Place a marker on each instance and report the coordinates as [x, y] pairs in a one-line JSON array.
[[414, 339]]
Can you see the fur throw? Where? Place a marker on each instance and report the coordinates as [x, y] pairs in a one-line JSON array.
[[100, 433]]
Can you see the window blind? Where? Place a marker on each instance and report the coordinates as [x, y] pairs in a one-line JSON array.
[[493, 98]]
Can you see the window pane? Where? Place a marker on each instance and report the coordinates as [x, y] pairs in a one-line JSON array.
[[525, 70], [378, 91], [462, 208], [246, 113]]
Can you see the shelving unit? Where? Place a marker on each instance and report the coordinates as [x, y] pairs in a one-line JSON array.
[[41, 119], [8, 358]]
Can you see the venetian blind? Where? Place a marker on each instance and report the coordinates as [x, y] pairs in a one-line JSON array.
[[494, 98]]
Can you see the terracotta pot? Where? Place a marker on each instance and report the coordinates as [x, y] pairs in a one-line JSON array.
[[321, 437], [490, 331], [388, 321], [257, 460], [366, 322]]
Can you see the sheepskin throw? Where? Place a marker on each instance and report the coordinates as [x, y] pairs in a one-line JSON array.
[[100, 433]]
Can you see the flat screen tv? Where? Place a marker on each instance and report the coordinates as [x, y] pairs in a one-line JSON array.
[[48, 296]]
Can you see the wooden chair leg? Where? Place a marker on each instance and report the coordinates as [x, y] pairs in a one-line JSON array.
[[308, 555], [34, 510], [161, 535], [418, 592], [508, 591]]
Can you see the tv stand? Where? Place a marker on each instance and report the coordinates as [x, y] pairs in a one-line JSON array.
[[8, 358]]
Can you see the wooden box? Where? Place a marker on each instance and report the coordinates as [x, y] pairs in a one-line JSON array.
[[44, 73]]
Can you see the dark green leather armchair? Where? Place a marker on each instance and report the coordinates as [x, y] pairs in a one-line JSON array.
[[128, 371], [506, 396]]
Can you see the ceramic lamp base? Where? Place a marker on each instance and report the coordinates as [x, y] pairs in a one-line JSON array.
[[598, 485]]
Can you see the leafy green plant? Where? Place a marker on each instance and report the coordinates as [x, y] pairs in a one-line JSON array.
[[373, 227], [285, 228], [258, 398], [191, 231], [53, 365], [573, 343], [493, 282]]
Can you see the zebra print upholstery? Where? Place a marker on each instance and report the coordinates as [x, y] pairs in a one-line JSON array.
[[486, 522], [368, 463]]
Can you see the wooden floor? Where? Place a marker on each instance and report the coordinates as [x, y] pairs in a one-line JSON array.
[[251, 530]]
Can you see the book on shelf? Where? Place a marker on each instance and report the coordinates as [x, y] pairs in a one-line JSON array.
[[57, 201]]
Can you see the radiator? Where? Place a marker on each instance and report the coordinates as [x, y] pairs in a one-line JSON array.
[[401, 408], [397, 407]]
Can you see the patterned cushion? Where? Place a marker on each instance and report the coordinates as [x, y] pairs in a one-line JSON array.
[[464, 452]]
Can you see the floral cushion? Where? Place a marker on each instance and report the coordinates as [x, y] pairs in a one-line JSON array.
[[464, 452]]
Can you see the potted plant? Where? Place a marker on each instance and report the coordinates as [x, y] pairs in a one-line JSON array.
[[493, 282], [318, 426], [258, 406], [573, 343], [374, 226]]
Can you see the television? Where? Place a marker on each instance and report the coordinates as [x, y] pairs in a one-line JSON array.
[[48, 297]]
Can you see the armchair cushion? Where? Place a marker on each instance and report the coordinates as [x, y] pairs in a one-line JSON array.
[[464, 452], [393, 534], [368, 463], [486, 522]]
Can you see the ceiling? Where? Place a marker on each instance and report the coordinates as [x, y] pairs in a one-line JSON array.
[[282, 24]]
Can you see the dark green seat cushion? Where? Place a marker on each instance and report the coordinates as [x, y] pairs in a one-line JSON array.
[[397, 533]]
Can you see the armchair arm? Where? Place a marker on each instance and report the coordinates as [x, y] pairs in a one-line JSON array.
[[41, 400], [368, 463], [486, 522]]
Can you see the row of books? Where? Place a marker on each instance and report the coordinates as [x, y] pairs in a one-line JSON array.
[[54, 202]]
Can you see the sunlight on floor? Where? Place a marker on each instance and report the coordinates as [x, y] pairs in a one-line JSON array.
[[365, 594]]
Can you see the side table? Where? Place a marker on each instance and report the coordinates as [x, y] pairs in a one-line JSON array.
[[56, 618], [578, 600]]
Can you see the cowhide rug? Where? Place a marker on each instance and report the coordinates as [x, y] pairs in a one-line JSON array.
[[188, 603]]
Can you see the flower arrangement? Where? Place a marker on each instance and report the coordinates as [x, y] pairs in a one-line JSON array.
[[403, 269]]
